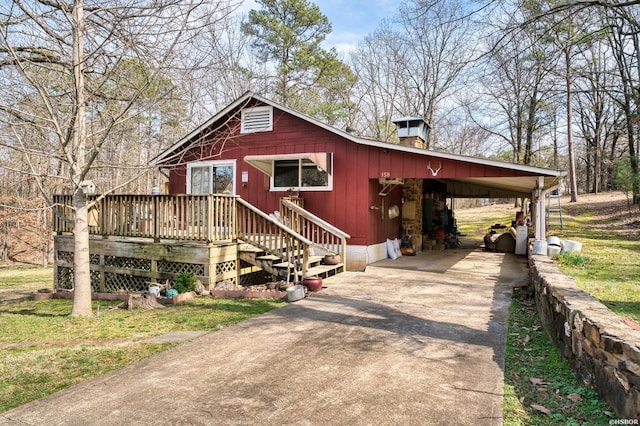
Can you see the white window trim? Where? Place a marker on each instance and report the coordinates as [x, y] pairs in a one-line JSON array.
[[260, 109], [329, 187], [211, 164]]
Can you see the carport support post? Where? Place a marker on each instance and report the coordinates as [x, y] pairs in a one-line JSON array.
[[540, 219]]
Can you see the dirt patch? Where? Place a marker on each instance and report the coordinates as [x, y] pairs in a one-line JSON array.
[[177, 337], [60, 343]]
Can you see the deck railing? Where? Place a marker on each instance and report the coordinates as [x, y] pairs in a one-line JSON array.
[[209, 217], [322, 234], [273, 236], [295, 200]]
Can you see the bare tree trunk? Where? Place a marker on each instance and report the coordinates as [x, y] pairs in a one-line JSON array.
[[47, 90], [554, 139], [588, 165], [42, 218], [4, 247], [81, 265], [627, 104], [597, 167], [572, 162], [81, 270]]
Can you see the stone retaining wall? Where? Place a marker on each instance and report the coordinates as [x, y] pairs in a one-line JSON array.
[[600, 346]]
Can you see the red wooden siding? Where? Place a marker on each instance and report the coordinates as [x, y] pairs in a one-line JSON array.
[[356, 169], [347, 206], [407, 165]]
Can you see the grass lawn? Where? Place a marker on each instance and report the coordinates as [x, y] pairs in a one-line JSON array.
[[475, 223], [46, 350], [540, 388], [24, 279], [610, 237]]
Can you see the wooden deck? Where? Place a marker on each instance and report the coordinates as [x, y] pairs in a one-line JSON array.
[[141, 239]]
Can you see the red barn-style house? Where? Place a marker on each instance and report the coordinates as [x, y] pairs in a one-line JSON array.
[[371, 190], [262, 191]]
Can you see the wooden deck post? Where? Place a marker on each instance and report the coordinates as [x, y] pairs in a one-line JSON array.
[[155, 219], [103, 279], [344, 253]]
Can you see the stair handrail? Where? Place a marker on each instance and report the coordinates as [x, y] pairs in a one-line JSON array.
[[301, 228], [260, 239]]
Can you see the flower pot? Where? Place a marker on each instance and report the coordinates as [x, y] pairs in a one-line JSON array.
[[312, 283], [332, 259]]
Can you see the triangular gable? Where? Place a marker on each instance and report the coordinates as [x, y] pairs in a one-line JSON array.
[[184, 142]]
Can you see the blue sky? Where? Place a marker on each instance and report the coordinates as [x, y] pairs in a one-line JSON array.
[[351, 20]]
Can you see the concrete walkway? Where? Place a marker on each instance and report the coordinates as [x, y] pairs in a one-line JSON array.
[[414, 341]]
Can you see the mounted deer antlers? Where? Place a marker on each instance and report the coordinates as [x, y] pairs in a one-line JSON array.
[[434, 173]]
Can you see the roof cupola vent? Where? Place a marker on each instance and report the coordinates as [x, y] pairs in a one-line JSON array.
[[412, 131]]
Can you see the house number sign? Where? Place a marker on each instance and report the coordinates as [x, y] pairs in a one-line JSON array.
[[385, 175]]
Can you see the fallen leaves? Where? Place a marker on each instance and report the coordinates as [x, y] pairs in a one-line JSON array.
[[541, 409], [574, 397], [546, 391], [631, 323], [541, 387], [537, 381]]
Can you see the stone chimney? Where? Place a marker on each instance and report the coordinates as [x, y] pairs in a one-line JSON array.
[[414, 141], [412, 131]]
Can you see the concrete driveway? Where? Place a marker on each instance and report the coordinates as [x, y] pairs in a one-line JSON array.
[[413, 341]]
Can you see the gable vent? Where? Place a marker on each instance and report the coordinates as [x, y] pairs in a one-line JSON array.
[[259, 119]]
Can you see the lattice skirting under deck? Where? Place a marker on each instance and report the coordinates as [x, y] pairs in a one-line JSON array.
[[132, 266], [255, 278]]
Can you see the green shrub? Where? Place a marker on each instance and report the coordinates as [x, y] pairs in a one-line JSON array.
[[572, 259], [185, 282]]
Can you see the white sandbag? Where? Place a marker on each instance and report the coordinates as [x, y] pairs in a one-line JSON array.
[[569, 246], [391, 249]]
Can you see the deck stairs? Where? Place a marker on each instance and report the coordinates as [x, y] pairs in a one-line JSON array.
[[289, 245], [554, 210], [285, 269]]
